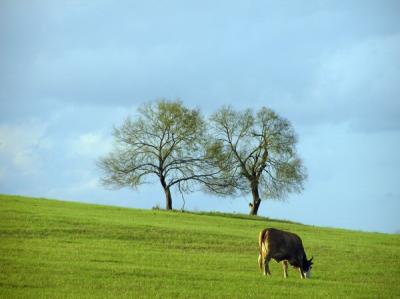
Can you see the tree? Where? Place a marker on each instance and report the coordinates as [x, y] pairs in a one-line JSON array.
[[260, 154], [167, 141]]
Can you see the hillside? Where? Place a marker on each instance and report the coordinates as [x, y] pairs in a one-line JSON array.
[[55, 249]]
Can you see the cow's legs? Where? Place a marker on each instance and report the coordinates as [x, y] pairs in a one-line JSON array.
[[301, 273], [260, 262], [266, 265], [285, 268]]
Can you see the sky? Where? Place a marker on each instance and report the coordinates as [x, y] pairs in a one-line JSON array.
[[72, 70]]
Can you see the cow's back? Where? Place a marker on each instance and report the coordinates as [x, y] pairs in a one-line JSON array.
[[283, 245]]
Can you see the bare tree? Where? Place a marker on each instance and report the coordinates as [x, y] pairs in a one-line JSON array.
[[167, 141], [259, 153]]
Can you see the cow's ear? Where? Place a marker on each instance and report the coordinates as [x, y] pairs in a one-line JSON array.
[[310, 261]]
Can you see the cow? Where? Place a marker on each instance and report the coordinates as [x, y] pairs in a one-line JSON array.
[[283, 247]]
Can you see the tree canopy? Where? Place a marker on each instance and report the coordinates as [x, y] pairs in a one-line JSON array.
[[259, 153], [166, 141], [234, 153]]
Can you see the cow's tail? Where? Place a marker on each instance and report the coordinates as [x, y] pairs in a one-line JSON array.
[[261, 238]]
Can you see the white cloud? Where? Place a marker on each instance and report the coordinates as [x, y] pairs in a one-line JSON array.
[[91, 144], [81, 188], [90, 184], [21, 146]]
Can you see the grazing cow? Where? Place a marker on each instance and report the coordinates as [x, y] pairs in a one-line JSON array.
[[283, 247]]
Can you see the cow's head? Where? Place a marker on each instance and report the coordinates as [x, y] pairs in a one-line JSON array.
[[307, 269]]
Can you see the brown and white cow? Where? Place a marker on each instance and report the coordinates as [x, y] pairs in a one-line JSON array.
[[283, 247]]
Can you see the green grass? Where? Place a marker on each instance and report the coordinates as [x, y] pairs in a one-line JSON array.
[[55, 249]]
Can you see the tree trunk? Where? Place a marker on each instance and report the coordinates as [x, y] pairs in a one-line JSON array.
[[256, 199], [168, 198]]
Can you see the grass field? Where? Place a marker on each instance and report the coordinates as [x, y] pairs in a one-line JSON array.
[[55, 249]]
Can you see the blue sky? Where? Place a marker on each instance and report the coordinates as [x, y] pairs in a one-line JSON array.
[[71, 70]]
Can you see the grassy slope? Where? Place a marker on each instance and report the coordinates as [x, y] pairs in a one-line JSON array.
[[54, 249]]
